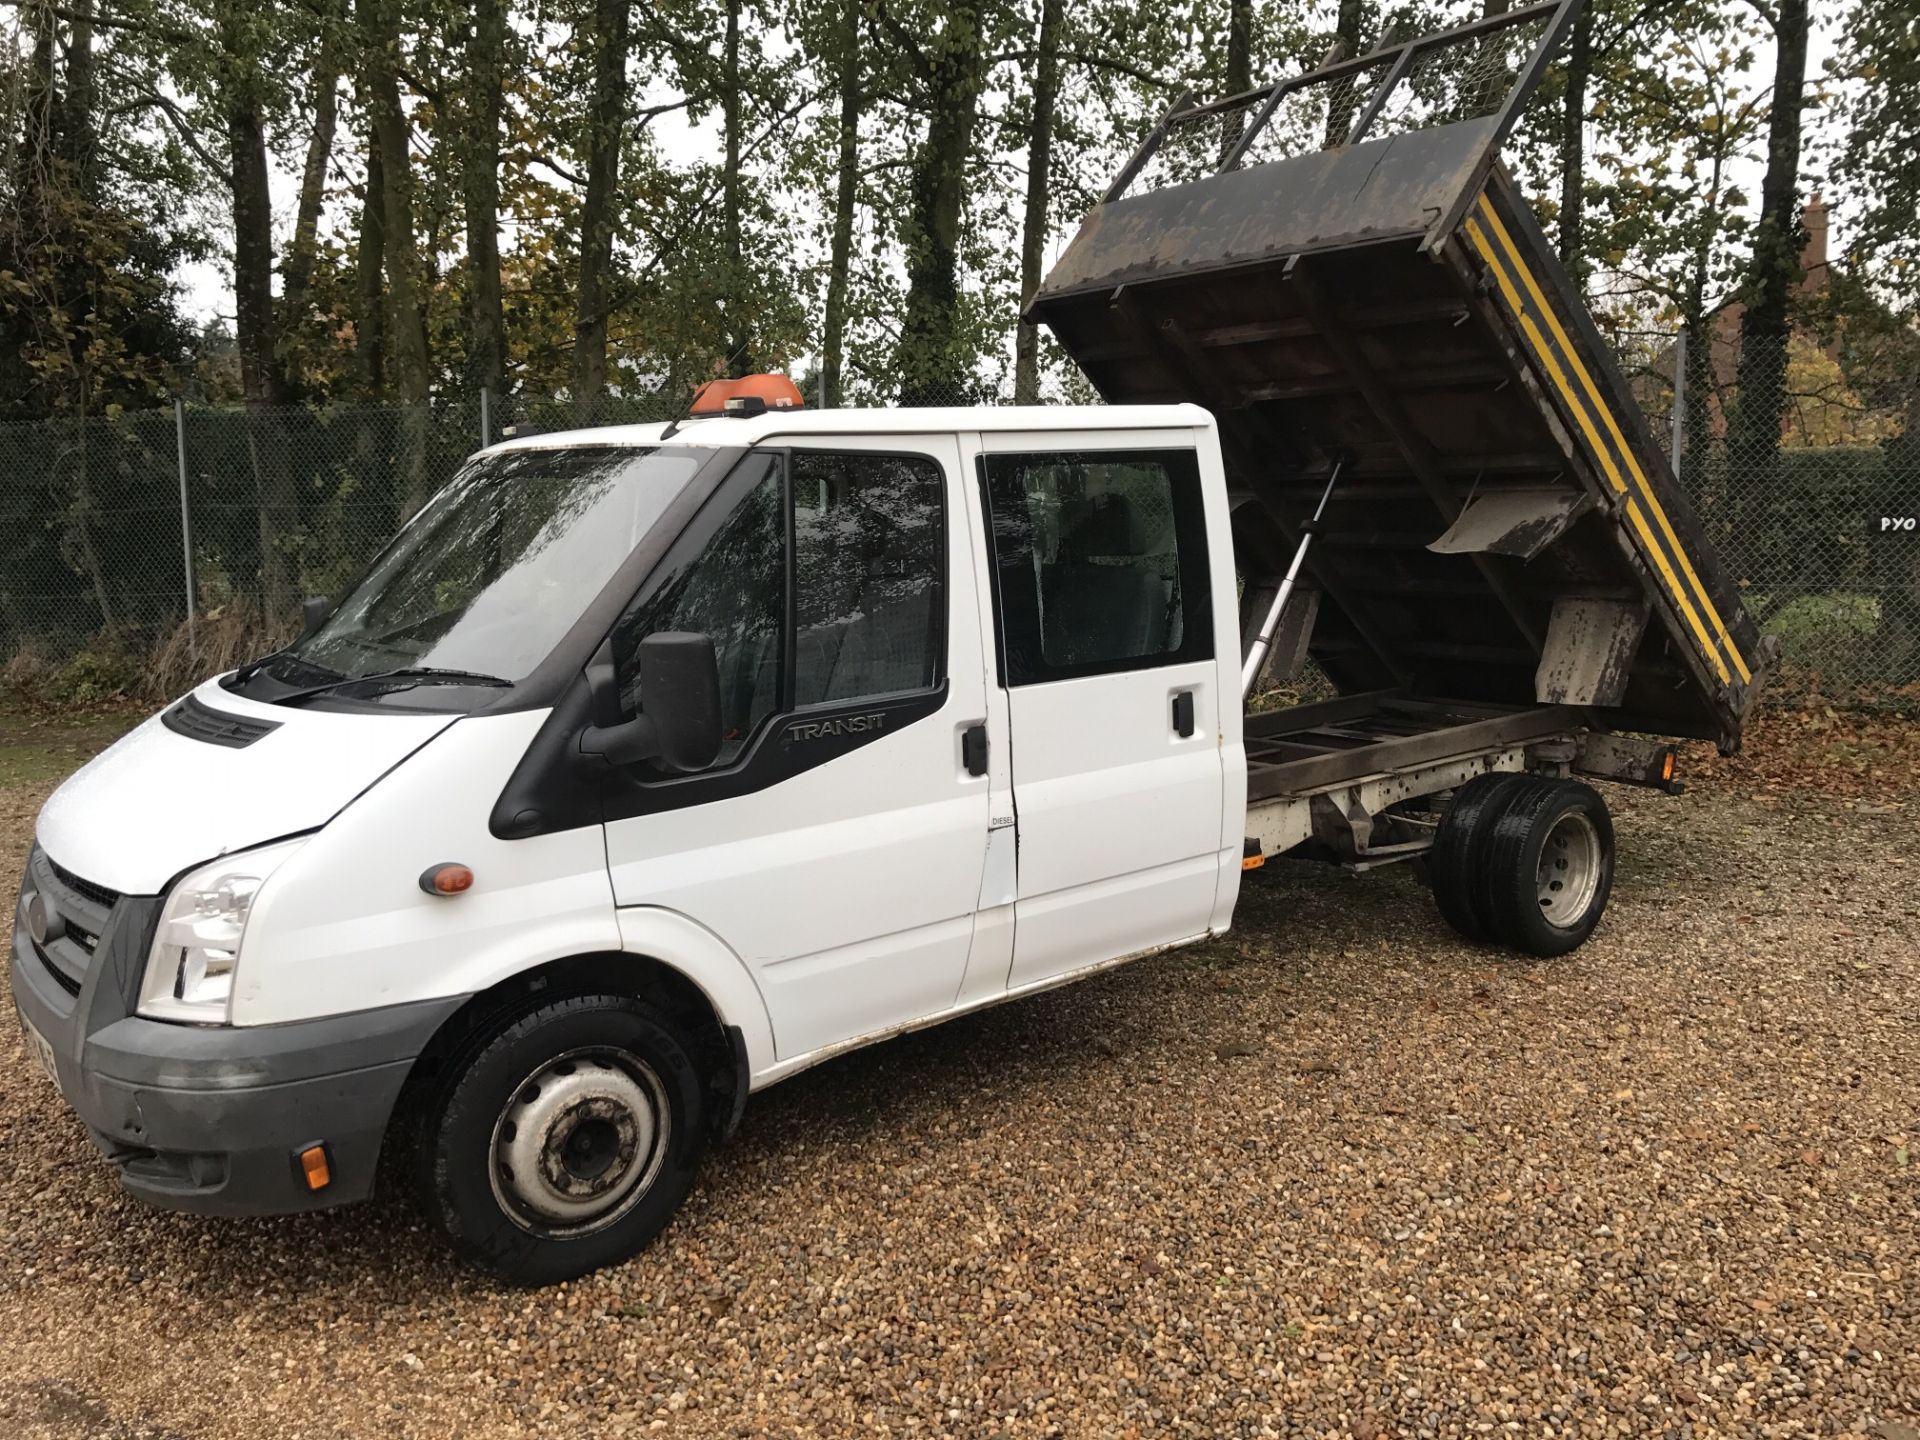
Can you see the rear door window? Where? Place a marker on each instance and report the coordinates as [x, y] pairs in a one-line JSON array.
[[1099, 562]]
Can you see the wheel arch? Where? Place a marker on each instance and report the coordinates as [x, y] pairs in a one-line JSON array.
[[727, 1030]]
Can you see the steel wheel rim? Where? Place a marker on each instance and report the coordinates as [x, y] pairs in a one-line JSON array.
[[579, 1141], [1568, 874]]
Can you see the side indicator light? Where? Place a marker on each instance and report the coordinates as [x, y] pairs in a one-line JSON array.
[[1668, 764], [1252, 862], [446, 880], [313, 1166]]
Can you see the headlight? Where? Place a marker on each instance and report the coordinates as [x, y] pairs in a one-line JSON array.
[[196, 948]]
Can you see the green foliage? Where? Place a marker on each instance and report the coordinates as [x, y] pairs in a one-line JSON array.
[[92, 676]]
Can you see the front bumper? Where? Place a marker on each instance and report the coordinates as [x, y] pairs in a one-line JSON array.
[[209, 1118]]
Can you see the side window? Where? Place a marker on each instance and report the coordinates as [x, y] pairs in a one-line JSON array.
[[869, 561], [734, 590], [1100, 562], [858, 542]]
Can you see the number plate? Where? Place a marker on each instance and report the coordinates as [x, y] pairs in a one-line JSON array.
[[41, 1051]]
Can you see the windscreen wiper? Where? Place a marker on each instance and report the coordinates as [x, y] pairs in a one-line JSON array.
[[405, 675]]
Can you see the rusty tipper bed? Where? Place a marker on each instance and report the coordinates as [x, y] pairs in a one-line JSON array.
[[1341, 268]]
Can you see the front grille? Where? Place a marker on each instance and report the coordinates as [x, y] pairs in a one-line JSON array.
[[200, 721], [83, 908], [66, 982], [98, 894]]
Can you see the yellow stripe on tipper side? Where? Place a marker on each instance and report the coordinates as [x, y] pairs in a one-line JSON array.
[[1545, 353], [1625, 451]]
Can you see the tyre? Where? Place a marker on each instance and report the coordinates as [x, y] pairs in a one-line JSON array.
[[1451, 868], [1549, 867], [564, 1141]]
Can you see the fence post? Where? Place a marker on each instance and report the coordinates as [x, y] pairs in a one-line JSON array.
[[1679, 446], [486, 417], [186, 524]]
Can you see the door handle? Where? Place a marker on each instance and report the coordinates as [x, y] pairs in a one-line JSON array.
[[973, 749], [1183, 714]]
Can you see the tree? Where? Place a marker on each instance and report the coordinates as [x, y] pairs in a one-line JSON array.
[[1754, 435], [303, 248], [843, 57], [948, 62], [1033, 232], [403, 316], [1878, 156], [606, 122], [482, 95]]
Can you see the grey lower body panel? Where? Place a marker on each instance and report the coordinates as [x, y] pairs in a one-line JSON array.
[[208, 1119]]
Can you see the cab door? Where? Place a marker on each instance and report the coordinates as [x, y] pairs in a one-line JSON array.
[[1107, 614], [837, 845]]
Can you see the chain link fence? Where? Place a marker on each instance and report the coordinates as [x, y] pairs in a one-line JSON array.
[[142, 550], [1819, 533]]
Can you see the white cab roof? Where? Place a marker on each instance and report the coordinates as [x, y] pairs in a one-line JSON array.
[[931, 420]]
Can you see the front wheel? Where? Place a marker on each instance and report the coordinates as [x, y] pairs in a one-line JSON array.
[[565, 1142]]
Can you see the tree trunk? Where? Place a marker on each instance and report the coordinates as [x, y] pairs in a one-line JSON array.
[[406, 323], [1697, 381], [739, 360], [933, 363], [596, 208], [297, 274], [78, 136], [480, 173], [40, 125], [1033, 232], [1573, 157], [1239, 76], [370, 325], [1239, 46], [1344, 96], [846, 195], [1753, 438], [261, 379]]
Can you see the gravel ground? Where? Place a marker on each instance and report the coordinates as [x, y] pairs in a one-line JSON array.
[[1336, 1174]]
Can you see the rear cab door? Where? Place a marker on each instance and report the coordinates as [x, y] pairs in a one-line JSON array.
[[1117, 654]]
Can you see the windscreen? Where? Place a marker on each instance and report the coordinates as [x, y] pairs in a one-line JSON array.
[[497, 566]]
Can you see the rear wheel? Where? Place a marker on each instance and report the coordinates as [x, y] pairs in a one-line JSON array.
[[1549, 866], [1452, 864], [565, 1142]]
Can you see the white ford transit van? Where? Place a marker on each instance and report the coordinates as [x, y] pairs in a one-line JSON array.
[[651, 765], [641, 771]]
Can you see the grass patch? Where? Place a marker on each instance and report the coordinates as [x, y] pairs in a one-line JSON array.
[[39, 747]]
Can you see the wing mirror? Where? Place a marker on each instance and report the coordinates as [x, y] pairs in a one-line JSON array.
[[680, 687]]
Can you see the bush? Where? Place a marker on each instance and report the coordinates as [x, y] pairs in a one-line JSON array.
[[91, 677]]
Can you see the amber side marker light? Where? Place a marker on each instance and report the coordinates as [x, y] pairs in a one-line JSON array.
[[312, 1163], [446, 880], [1669, 763], [1250, 856]]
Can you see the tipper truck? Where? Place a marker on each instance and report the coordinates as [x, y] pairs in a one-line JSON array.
[[651, 765]]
